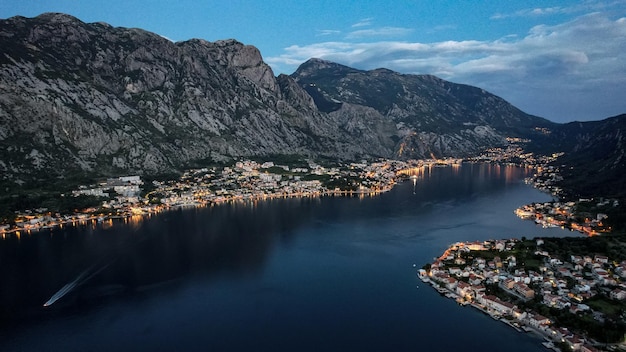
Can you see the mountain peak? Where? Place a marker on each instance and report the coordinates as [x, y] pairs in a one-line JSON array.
[[57, 17], [315, 66], [101, 100]]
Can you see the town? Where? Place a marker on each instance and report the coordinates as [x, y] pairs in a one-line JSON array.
[[249, 180], [584, 215], [246, 180], [492, 275]]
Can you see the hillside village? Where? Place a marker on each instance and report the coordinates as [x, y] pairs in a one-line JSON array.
[[570, 214], [493, 277], [249, 180], [246, 180]]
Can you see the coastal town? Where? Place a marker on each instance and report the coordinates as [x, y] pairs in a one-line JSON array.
[[571, 215], [246, 180], [493, 277], [249, 180]]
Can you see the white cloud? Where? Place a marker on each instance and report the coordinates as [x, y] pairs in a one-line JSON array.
[[583, 58], [325, 32], [363, 23], [379, 32], [535, 12], [582, 7]]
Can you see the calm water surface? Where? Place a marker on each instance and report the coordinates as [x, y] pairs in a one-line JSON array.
[[330, 274]]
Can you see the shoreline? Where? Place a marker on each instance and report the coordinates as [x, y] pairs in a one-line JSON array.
[[468, 282], [147, 211], [407, 171], [444, 292]]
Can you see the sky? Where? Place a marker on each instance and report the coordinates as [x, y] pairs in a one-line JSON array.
[[562, 60]]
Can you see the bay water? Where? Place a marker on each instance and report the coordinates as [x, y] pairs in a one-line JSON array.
[[301, 274]]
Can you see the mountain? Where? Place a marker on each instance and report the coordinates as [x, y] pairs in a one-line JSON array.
[[594, 162], [432, 116], [91, 100], [94, 99]]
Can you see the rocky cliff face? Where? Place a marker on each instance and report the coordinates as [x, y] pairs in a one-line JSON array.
[[79, 98], [93, 98], [432, 116]]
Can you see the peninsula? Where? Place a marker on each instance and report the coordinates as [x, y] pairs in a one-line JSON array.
[[551, 286]]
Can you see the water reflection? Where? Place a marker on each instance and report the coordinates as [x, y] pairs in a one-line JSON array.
[[236, 239], [141, 252]]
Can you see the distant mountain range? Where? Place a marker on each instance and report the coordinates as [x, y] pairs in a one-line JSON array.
[[594, 162], [96, 100]]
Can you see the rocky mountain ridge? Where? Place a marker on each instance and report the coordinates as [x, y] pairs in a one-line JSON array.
[[595, 159], [78, 97], [91, 99], [432, 116]]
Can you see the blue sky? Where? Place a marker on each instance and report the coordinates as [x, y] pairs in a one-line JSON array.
[[562, 60]]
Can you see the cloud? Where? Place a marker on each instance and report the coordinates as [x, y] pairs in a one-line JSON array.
[[583, 7], [325, 32], [363, 23], [534, 12], [379, 32], [583, 58]]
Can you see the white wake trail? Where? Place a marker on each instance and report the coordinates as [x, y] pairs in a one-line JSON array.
[[80, 279]]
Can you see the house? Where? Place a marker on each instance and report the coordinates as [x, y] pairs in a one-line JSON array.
[[519, 314], [524, 290], [476, 246], [574, 342], [550, 299], [508, 284], [474, 279], [512, 261], [601, 259], [478, 289], [538, 321], [618, 294], [454, 271], [555, 262], [451, 283], [463, 289], [562, 333], [494, 303], [576, 308], [564, 271], [498, 262], [588, 348]]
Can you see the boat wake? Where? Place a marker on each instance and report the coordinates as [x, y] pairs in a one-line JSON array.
[[79, 280]]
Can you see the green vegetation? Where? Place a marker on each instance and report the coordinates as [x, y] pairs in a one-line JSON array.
[[611, 245], [610, 328], [54, 195], [53, 202], [610, 307]]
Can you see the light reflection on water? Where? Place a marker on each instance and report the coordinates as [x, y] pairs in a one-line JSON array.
[[284, 274]]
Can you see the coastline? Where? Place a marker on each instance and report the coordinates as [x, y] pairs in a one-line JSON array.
[[144, 210], [468, 276]]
